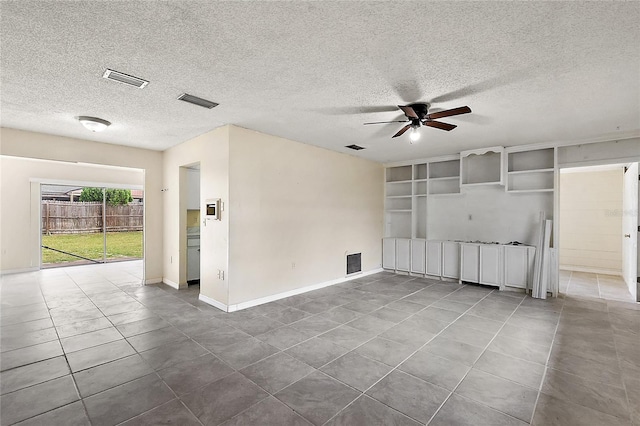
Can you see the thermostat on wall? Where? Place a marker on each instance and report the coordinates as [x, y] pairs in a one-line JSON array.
[[212, 209]]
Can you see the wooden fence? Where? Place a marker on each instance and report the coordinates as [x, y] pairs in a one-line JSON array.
[[66, 217]]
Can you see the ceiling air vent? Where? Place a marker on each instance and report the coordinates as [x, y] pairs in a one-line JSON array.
[[197, 101], [354, 147], [125, 78]]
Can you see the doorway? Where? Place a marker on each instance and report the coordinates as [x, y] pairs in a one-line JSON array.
[[594, 211], [89, 225]]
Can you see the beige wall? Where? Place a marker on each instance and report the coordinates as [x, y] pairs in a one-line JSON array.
[[591, 220], [292, 203], [211, 150], [21, 143]]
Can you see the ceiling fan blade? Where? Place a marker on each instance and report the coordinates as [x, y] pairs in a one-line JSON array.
[[385, 122], [408, 111], [440, 125], [450, 112], [401, 131]]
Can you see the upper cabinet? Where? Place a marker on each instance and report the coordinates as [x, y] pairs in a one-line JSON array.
[[531, 171], [482, 166]]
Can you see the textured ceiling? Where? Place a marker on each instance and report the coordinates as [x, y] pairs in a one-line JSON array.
[[315, 71]]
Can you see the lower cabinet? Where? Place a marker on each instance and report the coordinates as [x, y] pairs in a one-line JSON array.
[[434, 258], [491, 264], [389, 253], [470, 262], [451, 259], [403, 254], [518, 266], [418, 256]]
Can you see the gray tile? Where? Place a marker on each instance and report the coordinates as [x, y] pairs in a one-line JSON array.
[[409, 395], [434, 369], [347, 336], [341, 315], [142, 326], [153, 339], [316, 352], [405, 306], [87, 340], [455, 351], [127, 317], [82, 327], [30, 354], [315, 306], [386, 351], [544, 325], [32, 374], [478, 323], [517, 370], [172, 353], [492, 310], [24, 339], [288, 315], [632, 386], [461, 411], [316, 324], [520, 349], [258, 325], [452, 305], [356, 371], [68, 415], [97, 355], [426, 324], [537, 337], [439, 314], [367, 411], [371, 324], [284, 337], [391, 315], [171, 413], [106, 376], [408, 334], [317, 397], [467, 335], [294, 300], [598, 396], [188, 375], [24, 327], [423, 298], [268, 412], [503, 395], [220, 338], [276, 372], [245, 352], [223, 399], [126, 401], [361, 306], [552, 411], [19, 405]]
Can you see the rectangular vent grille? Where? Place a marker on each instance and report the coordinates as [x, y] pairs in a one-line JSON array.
[[354, 147], [121, 77], [197, 101], [354, 263]]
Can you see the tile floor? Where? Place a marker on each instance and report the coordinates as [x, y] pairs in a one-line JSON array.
[[584, 284], [90, 345]]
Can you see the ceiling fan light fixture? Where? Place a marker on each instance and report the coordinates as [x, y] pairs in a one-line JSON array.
[[414, 136], [94, 124]]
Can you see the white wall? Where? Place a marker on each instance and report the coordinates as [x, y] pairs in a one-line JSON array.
[[487, 213], [591, 220], [292, 203], [20, 143], [211, 150]]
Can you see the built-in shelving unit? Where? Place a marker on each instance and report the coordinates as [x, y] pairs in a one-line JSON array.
[[482, 166], [444, 177], [531, 171]]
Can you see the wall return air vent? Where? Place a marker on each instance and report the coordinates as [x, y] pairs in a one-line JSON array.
[[121, 77], [197, 101]]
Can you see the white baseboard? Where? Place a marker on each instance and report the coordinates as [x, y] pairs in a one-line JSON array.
[[600, 271], [19, 271], [171, 283], [153, 281], [294, 292], [213, 302]]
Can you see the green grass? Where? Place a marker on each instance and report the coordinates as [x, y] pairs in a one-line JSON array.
[[119, 245]]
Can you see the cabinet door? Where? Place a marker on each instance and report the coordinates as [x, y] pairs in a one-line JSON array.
[[403, 254], [389, 253], [491, 265], [434, 258], [450, 259], [418, 256], [470, 262], [516, 266], [193, 263]]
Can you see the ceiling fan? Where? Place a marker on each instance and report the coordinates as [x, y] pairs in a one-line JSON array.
[[418, 115]]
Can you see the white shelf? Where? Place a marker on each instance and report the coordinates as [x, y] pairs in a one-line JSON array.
[[398, 196], [420, 180], [421, 195], [445, 178], [482, 166], [399, 181], [399, 211], [537, 159], [524, 172], [516, 191]]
